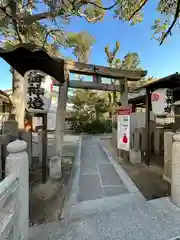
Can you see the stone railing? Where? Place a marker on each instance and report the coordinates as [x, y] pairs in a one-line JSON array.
[[14, 194]]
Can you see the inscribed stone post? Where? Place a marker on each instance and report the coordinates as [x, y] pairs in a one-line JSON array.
[[10, 128]]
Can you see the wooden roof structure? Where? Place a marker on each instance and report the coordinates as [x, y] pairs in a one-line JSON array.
[[4, 97], [24, 57], [172, 81], [138, 97]]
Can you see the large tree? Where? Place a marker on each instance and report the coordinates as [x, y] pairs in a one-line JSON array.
[[130, 61], [112, 61], [18, 16], [88, 105]]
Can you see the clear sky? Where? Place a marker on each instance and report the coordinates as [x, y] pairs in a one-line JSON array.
[[158, 60]]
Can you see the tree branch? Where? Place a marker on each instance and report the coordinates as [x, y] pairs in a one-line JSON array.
[[88, 19], [104, 8], [48, 33], [14, 21], [17, 31], [138, 9], [173, 23], [40, 16]]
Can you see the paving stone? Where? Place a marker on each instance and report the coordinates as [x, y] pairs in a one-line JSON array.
[[89, 188], [114, 191], [99, 155], [88, 167], [108, 175]]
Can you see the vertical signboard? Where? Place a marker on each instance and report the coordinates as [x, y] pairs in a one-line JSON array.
[[123, 129]]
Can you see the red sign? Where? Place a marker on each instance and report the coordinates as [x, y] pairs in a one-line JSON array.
[[124, 111], [155, 97]]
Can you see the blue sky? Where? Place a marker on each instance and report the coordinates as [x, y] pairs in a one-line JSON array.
[[158, 60]]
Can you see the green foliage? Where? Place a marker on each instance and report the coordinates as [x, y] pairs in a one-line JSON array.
[[93, 12], [81, 43], [159, 28], [169, 13], [96, 126], [111, 55], [88, 104], [125, 9], [92, 127], [89, 112], [19, 18], [131, 61]]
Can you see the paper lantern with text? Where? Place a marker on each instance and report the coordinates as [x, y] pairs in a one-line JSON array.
[[38, 91], [161, 100]]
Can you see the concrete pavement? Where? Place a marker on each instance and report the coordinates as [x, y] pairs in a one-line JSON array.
[[106, 205], [98, 178]]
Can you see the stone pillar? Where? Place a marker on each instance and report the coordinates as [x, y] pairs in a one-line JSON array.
[[168, 144], [17, 163], [27, 137], [175, 179], [135, 152], [55, 162], [157, 140], [10, 128]]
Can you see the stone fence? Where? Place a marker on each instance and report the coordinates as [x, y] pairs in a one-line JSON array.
[[14, 194]]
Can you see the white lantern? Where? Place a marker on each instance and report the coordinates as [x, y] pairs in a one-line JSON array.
[[38, 91], [161, 100]]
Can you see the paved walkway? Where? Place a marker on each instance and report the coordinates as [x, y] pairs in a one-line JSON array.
[[98, 178], [105, 210]]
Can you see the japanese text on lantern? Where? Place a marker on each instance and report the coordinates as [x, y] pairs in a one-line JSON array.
[[35, 91], [168, 101]]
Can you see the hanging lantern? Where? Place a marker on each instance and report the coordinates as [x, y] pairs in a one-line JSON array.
[[161, 100], [38, 91]]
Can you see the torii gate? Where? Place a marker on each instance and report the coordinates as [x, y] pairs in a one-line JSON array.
[[24, 57]]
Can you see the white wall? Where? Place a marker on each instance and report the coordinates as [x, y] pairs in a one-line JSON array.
[[138, 119]]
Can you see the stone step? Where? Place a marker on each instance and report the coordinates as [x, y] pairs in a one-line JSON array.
[[142, 220], [101, 205]]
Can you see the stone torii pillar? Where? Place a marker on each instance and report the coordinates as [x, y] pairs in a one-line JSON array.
[[55, 162]]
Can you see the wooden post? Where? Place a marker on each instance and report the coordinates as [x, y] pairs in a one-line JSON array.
[[44, 149], [133, 107], [147, 126]]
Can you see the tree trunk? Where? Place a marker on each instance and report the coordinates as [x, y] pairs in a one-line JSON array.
[[18, 98]]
